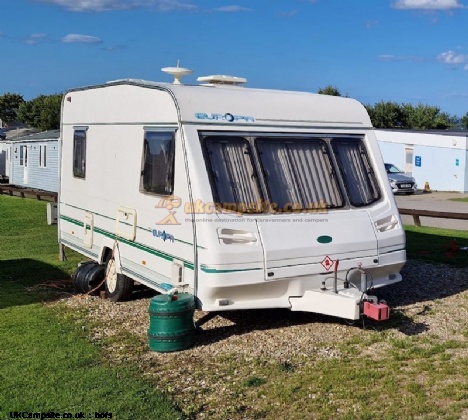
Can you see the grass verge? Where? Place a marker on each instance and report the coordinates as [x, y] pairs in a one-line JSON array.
[[47, 364], [439, 246], [461, 199]]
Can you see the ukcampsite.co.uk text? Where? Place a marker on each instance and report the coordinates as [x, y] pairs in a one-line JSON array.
[[250, 219], [54, 415], [200, 207]]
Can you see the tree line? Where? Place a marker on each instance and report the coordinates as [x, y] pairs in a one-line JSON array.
[[406, 116], [43, 113]]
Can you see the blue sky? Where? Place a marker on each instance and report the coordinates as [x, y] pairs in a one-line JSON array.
[[407, 51]]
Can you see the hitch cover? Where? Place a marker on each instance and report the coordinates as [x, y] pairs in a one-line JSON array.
[[377, 311]]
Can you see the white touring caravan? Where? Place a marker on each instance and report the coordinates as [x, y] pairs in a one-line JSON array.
[[245, 198]]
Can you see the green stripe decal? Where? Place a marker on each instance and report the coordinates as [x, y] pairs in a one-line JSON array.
[[205, 269], [124, 223], [137, 245], [155, 252]]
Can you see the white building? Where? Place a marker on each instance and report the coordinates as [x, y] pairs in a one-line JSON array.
[[436, 157], [32, 160]]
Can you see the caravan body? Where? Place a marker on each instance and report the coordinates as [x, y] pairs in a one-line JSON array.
[[245, 198]]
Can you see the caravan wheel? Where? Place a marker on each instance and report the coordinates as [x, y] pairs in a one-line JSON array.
[[118, 286]]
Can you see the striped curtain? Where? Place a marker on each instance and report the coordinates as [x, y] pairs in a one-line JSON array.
[[357, 173], [299, 173]]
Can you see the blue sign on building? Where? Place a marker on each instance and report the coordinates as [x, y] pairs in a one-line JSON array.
[[417, 160]]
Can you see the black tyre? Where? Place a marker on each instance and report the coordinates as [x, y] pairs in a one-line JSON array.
[[80, 273], [93, 278], [118, 286], [88, 276]]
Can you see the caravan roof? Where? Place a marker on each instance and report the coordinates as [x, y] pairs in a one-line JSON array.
[[259, 107]]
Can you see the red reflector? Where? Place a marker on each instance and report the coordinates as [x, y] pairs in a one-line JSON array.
[[377, 311]]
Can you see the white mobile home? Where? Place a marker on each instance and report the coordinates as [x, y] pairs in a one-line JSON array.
[[245, 198], [436, 157], [33, 161]]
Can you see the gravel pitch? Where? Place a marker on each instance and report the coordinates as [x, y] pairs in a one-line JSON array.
[[431, 300]]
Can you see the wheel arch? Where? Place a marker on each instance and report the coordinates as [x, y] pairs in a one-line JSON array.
[[108, 251]]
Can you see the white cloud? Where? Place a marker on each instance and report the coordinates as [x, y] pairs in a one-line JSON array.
[[168, 5], [81, 39], [92, 5], [34, 39], [371, 23], [389, 57], [289, 14], [466, 67], [232, 9], [108, 5], [428, 4], [450, 57]]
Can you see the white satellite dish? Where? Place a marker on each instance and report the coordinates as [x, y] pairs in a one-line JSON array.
[[177, 72]]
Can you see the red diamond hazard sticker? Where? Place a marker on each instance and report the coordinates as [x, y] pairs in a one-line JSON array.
[[328, 263]]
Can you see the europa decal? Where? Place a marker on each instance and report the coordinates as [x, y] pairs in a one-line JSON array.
[[163, 235], [223, 117]]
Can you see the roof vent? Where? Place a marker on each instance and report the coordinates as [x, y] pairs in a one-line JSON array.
[[221, 79], [177, 72]]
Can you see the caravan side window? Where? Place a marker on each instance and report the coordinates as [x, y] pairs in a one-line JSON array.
[[356, 171], [157, 174], [79, 154]]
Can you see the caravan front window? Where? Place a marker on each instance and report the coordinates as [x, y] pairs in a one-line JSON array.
[[157, 174], [234, 179], [356, 171], [79, 154], [257, 172], [298, 173]]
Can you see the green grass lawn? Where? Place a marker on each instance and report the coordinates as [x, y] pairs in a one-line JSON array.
[[461, 199], [47, 363], [440, 246]]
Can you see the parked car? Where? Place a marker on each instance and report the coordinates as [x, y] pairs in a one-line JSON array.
[[399, 181], [2, 134]]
